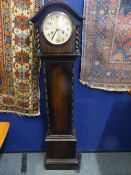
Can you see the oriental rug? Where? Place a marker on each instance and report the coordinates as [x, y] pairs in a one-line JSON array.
[[19, 67], [106, 57]]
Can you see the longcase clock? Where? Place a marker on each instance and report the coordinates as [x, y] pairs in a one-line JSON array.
[[57, 27]]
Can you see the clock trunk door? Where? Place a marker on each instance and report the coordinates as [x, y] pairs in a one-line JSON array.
[[59, 89]]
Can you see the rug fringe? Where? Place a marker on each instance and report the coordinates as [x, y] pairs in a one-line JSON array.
[[21, 114], [104, 87]]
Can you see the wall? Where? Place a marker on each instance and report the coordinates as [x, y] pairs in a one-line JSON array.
[[102, 119]]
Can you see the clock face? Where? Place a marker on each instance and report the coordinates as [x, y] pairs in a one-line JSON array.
[[57, 28]]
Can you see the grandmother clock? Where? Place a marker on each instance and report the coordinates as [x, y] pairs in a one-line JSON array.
[[57, 28]]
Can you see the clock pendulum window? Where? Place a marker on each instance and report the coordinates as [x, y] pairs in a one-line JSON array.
[[57, 27]]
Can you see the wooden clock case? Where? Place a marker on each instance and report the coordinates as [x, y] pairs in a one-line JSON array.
[[58, 63]]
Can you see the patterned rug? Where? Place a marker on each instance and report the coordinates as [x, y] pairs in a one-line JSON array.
[[19, 68], [106, 59]]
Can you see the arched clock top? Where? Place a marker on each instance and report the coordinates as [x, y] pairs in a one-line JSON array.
[[51, 6]]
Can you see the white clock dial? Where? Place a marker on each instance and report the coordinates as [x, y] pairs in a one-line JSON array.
[[57, 28]]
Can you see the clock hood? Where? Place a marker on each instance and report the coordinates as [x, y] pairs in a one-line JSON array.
[[36, 19]]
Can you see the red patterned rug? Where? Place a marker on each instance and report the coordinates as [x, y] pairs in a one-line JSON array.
[[106, 59], [19, 68]]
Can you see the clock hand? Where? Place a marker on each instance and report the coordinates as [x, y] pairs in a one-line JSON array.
[[54, 34]]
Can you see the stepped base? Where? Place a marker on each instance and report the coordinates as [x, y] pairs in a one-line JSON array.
[[63, 164]]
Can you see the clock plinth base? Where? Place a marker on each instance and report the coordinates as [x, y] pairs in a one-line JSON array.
[[61, 153], [63, 164]]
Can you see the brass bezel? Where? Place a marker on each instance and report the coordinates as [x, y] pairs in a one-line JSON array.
[[42, 28]]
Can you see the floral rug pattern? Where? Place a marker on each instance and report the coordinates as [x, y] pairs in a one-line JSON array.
[[106, 58], [19, 67]]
